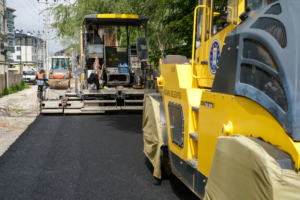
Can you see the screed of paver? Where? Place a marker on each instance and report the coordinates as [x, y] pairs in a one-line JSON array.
[[17, 112]]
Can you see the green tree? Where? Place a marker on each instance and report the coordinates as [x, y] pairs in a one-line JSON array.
[[170, 25]]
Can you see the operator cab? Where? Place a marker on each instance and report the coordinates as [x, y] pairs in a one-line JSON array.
[[59, 67], [110, 48]]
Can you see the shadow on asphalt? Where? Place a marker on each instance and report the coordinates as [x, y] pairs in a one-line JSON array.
[[179, 189]]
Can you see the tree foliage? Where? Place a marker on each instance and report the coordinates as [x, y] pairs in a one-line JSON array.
[[170, 25]]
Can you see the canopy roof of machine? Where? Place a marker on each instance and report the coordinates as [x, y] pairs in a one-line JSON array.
[[116, 19]]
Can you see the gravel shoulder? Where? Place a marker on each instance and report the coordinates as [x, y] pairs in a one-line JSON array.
[[17, 112]]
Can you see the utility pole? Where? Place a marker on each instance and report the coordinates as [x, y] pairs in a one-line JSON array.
[[37, 51], [47, 39], [73, 60]]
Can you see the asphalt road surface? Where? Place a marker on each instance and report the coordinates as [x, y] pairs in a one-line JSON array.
[[84, 157]]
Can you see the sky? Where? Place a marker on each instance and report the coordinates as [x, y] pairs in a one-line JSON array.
[[28, 19]]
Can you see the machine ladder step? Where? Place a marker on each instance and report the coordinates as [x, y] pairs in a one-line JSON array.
[[99, 101], [134, 101], [192, 162], [100, 108], [73, 98], [194, 136], [132, 107], [195, 108]]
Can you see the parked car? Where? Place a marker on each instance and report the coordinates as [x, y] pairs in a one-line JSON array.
[[29, 77]]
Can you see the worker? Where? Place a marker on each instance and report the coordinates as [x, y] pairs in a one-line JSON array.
[[42, 76]]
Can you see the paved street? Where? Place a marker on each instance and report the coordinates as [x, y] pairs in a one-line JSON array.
[[84, 157]]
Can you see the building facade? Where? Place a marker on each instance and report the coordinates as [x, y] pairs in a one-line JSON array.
[[29, 50], [9, 46], [3, 35], [60, 53]]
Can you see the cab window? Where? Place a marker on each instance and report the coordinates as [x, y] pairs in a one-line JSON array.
[[199, 23], [256, 5], [224, 13]]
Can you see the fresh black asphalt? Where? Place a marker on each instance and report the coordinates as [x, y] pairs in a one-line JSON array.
[[84, 157]]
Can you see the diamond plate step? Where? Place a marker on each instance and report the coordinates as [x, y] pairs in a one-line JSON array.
[[194, 136], [192, 162]]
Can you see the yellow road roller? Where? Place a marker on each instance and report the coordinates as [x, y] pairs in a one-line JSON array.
[[59, 75], [228, 124]]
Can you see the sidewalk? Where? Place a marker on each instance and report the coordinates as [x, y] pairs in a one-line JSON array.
[[17, 111]]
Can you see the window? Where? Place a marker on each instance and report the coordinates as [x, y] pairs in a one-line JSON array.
[[11, 43], [60, 63], [28, 73], [10, 29], [1, 21], [199, 23], [18, 57], [224, 14], [258, 4], [18, 48]]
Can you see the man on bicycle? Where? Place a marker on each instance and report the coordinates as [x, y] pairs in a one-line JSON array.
[[42, 76]]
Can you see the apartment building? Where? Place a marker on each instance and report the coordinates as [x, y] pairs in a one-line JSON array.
[[3, 35], [9, 47], [29, 50]]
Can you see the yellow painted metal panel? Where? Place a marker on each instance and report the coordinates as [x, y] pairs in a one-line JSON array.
[[238, 115], [247, 117], [177, 88], [123, 16], [184, 73], [203, 54]]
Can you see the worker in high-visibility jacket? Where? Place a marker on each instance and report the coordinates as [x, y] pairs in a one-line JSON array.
[[42, 76]]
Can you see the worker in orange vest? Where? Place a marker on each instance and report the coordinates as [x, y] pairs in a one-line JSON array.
[[42, 76]]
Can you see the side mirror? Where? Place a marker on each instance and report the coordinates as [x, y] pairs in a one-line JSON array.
[[142, 49]]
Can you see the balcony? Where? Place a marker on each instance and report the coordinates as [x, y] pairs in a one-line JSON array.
[[9, 47], [9, 59], [3, 37], [10, 21], [10, 33]]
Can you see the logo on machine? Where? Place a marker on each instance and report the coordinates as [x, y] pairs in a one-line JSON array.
[[214, 56]]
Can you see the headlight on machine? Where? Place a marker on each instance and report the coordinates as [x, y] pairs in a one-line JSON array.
[[66, 76], [33, 78]]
